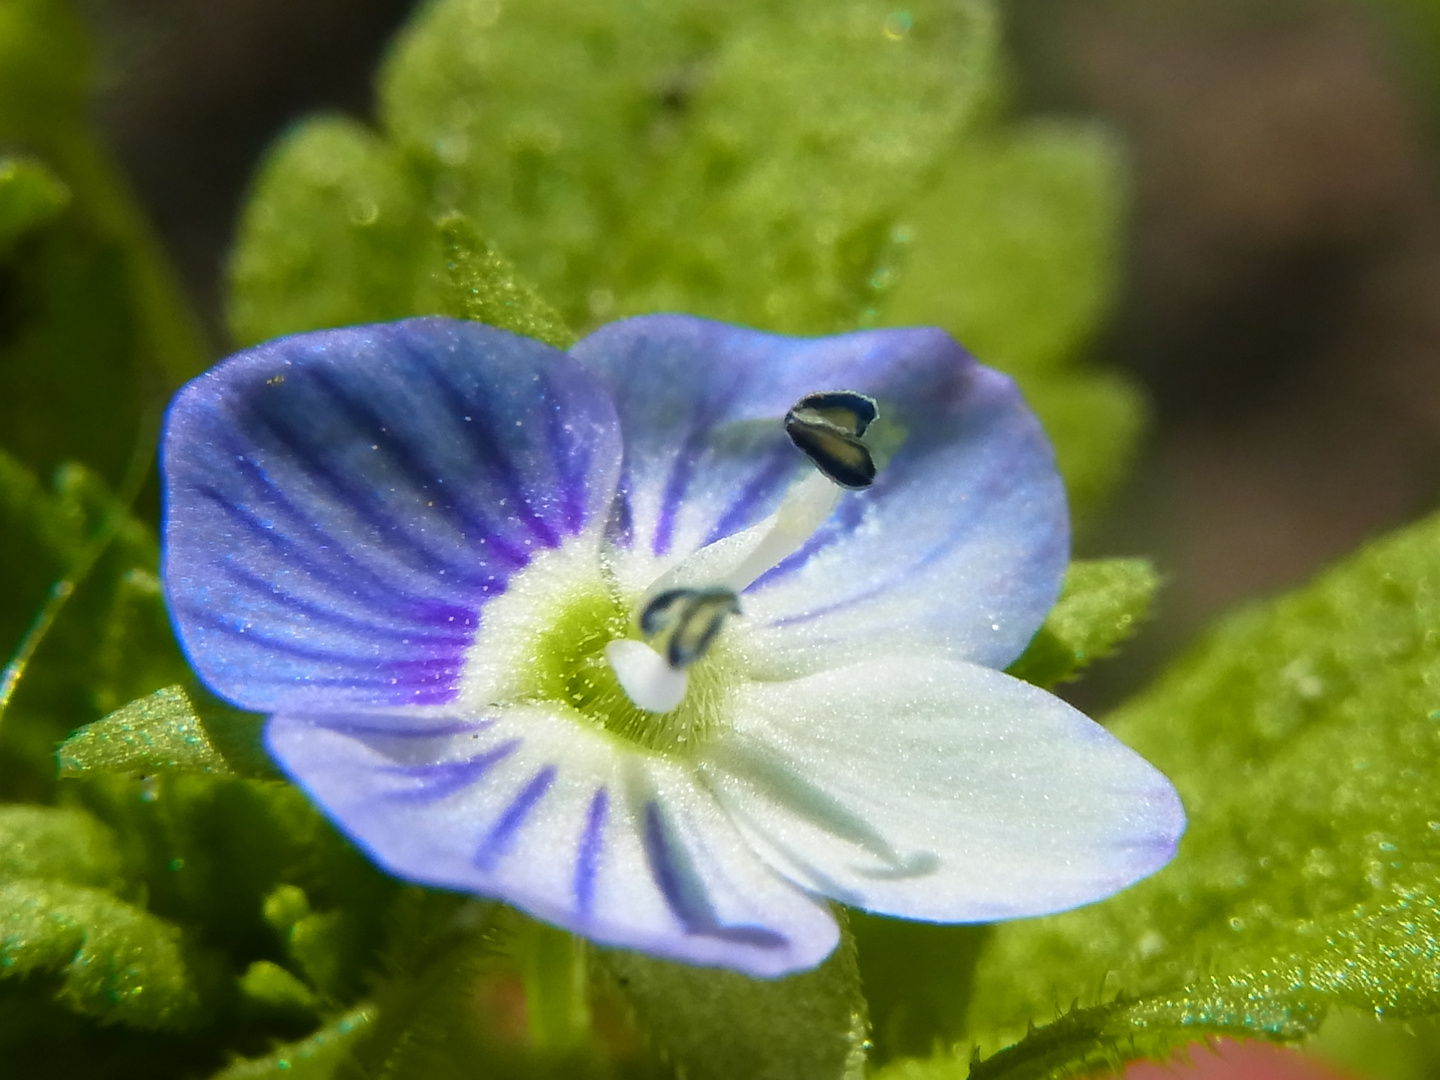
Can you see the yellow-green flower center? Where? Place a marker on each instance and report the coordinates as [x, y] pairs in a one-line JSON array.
[[570, 669]]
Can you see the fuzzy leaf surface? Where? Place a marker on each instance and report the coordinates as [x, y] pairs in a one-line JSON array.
[[717, 1024], [1303, 737], [1101, 604], [116, 962]]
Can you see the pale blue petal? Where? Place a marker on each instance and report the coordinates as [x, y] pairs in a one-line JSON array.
[[561, 821], [340, 505], [938, 790], [960, 545]]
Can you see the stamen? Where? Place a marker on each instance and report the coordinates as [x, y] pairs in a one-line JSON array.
[[683, 611], [679, 626], [827, 427]]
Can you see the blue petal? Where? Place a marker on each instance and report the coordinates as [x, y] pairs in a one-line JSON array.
[[562, 821], [959, 546], [340, 505]]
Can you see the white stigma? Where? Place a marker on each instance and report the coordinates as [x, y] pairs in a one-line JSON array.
[[646, 677]]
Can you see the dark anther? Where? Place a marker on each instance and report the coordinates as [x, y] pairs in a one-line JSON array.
[[827, 428], [681, 624]]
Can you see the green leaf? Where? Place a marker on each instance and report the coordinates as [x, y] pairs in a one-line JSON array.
[[336, 233], [70, 615], [138, 651], [917, 978], [632, 157], [441, 951], [1015, 248], [30, 198], [117, 963], [210, 849], [718, 1024], [1302, 736], [159, 732], [316, 1057], [485, 287], [98, 322], [54, 843], [1014, 251], [1100, 605], [44, 69], [1360, 1044]]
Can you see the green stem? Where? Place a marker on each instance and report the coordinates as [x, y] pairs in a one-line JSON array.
[[555, 973]]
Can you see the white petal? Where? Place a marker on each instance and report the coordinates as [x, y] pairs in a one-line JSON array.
[[561, 820], [939, 790]]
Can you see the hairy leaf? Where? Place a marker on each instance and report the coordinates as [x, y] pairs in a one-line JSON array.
[[316, 1057], [631, 157], [718, 1024], [336, 233], [1014, 248], [1302, 736], [55, 843], [1100, 606], [116, 962], [210, 849], [484, 286], [1014, 252], [159, 732]]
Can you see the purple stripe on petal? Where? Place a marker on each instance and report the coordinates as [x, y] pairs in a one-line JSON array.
[[435, 664], [389, 727], [442, 779], [421, 472], [588, 861], [498, 841], [620, 529], [360, 501], [680, 474], [492, 456], [457, 637], [391, 691], [350, 576], [685, 893], [573, 456]]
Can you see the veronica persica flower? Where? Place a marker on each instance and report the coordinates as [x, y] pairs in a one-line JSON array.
[[600, 633]]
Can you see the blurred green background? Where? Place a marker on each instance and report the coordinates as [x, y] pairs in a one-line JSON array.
[[1235, 204]]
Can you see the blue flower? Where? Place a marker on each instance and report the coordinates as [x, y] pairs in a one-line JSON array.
[[587, 631]]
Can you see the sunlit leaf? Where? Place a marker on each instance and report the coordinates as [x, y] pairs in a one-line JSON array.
[[631, 156], [336, 232], [1101, 604], [484, 286], [159, 732], [1302, 736]]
